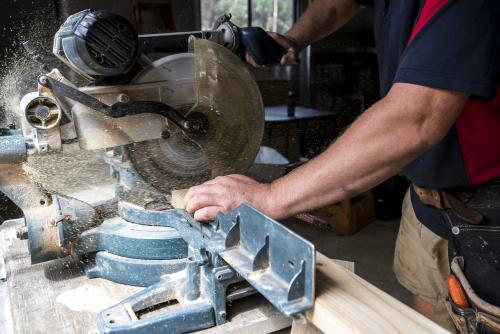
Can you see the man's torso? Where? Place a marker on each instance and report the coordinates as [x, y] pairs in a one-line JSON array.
[[449, 44]]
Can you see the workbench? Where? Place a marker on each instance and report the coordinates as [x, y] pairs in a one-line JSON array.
[[55, 297]]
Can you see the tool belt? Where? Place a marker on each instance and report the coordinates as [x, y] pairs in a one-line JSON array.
[[473, 216], [441, 199]]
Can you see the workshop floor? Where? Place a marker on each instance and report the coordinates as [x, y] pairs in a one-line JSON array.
[[371, 250]]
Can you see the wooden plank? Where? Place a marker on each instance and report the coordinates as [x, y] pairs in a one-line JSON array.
[[346, 303], [177, 199], [349, 265], [304, 327]]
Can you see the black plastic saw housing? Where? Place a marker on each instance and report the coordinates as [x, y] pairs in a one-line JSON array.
[[97, 43]]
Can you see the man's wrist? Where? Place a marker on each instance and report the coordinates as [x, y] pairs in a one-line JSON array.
[[272, 202], [297, 45]]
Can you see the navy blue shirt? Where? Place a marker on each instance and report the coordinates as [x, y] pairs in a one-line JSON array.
[[454, 45]]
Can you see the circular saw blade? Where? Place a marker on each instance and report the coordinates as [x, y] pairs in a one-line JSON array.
[[168, 164], [214, 82]]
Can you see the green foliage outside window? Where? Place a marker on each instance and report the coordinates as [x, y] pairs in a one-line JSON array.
[[271, 15]]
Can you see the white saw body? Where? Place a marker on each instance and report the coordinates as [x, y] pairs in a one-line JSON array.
[[210, 81]]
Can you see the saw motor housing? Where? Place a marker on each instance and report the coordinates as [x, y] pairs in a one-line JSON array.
[[97, 43]]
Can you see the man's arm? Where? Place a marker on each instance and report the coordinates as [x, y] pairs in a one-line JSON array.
[[321, 18], [389, 135]]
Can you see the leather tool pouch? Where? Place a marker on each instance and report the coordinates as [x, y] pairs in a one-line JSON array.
[[473, 216], [481, 317]]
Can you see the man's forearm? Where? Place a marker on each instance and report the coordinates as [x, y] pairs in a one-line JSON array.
[[389, 135], [321, 18], [379, 144]]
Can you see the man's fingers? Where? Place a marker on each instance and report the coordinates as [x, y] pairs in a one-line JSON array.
[[250, 59], [194, 195], [223, 193], [190, 194], [207, 213], [289, 44], [200, 194], [205, 198], [282, 40], [289, 58]]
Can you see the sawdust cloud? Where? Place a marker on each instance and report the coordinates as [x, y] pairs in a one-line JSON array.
[[18, 73], [23, 21]]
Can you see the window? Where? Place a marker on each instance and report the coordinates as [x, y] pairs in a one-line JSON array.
[[271, 15]]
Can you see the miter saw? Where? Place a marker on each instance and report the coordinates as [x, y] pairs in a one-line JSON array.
[[160, 125]]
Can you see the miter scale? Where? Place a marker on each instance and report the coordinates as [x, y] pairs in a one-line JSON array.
[[161, 125]]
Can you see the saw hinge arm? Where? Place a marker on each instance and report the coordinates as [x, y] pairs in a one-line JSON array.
[[121, 109]]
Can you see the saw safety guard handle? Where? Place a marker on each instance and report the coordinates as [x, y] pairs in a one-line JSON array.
[[195, 123]]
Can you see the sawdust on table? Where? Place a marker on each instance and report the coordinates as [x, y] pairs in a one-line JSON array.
[[90, 298]]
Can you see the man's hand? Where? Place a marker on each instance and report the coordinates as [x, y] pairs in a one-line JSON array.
[[225, 193], [291, 50], [321, 18]]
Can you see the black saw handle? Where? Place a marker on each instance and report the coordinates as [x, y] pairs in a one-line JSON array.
[[263, 48]]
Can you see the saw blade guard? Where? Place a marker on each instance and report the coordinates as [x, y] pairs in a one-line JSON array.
[[229, 98], [227, 90]]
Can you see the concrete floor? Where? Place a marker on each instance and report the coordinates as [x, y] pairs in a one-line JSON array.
[[371, 249]]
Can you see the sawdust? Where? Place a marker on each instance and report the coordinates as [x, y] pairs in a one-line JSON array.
[[65, 173], [59, 173], [14, 85], [85, 175], [18, 72], [146, 197], [90, 298]]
